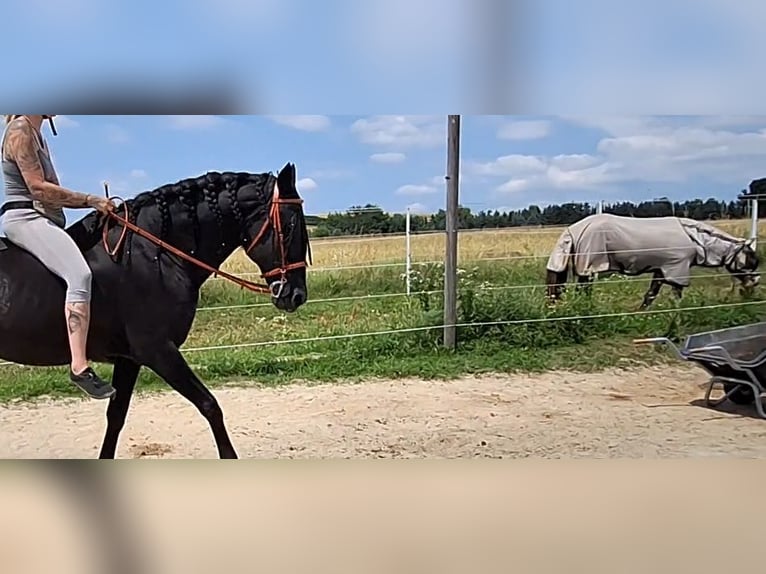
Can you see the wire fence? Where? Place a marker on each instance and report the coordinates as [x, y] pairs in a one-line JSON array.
[[391, 264], [322, 338], [408, 258], [408, 263], [471, 324], [408, 292], [523, 286]]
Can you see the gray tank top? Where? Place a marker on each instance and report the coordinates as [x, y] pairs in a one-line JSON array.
[[16, 188]]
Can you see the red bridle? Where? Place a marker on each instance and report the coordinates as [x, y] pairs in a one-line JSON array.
[[273, 219]]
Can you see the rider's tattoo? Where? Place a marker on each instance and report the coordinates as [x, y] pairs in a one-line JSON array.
[[74, 321], [22, 146]]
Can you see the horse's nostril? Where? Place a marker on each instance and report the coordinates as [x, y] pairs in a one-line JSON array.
[[299, 297]]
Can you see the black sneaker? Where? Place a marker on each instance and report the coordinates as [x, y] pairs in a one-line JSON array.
[[92, 384]]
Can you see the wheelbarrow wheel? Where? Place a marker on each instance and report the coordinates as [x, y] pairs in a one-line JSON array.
[[743, 395]]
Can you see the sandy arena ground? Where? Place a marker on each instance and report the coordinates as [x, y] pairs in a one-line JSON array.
[[647, 412]]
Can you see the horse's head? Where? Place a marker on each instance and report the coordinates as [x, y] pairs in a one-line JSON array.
[[743, 266], [275, 237]]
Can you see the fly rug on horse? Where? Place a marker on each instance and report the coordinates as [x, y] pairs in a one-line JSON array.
[[148, 267], [667, 247]]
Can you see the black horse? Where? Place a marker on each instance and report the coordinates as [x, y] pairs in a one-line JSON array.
[[145, 293]]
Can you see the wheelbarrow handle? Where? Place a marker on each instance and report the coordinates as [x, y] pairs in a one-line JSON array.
[[650, 340], [663, 340]]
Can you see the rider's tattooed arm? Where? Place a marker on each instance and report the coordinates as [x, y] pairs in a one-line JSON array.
[[21, 146]]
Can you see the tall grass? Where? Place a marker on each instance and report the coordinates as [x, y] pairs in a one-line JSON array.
[[500, 294]]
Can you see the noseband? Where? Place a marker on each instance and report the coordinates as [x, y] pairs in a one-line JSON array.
[[731, 265], [274, 219]]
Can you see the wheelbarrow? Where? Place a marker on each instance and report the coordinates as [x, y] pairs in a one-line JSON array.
[[735, 358]]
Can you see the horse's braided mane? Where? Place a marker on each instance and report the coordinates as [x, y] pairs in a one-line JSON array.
[[189, 193], [194, 189]]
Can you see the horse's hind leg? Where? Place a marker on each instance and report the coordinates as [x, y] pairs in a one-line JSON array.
[[653, 291], [124, 381], [166, 360]]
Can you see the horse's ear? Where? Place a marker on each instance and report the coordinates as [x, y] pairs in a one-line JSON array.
[[286, 177], [749, 242]]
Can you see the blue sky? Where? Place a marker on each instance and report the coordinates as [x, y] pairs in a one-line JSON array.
[[398, 56], [610, 62], [400, 161]]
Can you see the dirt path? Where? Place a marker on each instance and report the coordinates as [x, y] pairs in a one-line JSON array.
[[610, 414]]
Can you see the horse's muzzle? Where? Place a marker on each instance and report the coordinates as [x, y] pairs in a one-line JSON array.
[[298, 298], [291, 298], [749, 283]]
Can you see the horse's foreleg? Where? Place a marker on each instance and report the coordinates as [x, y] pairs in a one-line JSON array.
[[166, 360], [675, 322], [585, 283], [124, 381], [554, 285], [653, 291]]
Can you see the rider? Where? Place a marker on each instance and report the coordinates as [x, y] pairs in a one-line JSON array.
[[33, 218]]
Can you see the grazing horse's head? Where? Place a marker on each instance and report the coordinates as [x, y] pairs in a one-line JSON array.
[[743, 266], [275, 237]]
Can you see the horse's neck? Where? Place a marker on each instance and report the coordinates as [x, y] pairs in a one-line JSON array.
[[718, 246], [210, 241]]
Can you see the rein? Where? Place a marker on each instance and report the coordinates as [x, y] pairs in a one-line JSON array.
[[274, 219]]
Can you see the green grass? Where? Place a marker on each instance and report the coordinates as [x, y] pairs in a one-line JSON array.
[[549, 341]]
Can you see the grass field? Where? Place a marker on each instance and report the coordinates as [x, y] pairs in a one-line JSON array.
[[501, 278]]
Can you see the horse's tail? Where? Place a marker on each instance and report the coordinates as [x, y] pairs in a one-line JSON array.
[[559, 262]]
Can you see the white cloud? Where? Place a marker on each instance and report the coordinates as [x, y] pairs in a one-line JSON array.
[[438, 180], [306, 184], [615, 125], [138, 173], [729, 121], [388, 157], [524, 130], [115, 134], [306, 123], [507, 165], [651, 150], [414, 189], [402, 131], [635, 125], [181, 122], [513, 186]]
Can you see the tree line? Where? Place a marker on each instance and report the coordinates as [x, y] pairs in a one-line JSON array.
[[371, 219]]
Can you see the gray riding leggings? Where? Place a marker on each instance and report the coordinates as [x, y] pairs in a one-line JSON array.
[[53, 247]]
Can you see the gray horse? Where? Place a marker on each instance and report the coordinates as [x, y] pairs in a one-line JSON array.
[[667, 247]]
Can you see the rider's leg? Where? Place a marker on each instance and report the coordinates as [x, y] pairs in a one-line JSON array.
[[77, 315], [58, 252]]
